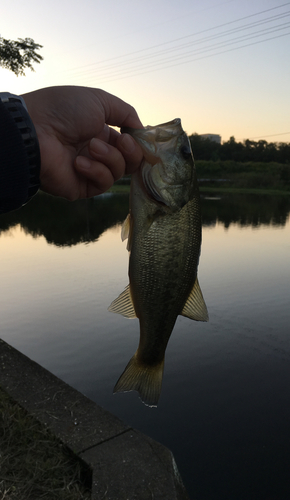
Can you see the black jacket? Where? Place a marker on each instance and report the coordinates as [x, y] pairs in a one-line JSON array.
[[19, 157]]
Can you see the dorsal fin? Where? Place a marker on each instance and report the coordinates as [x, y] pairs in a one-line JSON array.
[[195, 307], [123, 304]]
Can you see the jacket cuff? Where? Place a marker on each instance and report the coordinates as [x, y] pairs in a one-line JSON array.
[[19, 154]]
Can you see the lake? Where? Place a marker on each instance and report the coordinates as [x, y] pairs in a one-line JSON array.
[[224, 409]]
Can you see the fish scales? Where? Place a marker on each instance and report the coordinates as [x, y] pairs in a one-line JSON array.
[[164, 230], [163, 278]]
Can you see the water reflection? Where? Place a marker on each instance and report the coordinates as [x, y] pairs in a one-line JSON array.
[[245, 209], [63, 223]]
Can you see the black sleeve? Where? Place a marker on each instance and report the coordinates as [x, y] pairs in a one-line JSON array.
[[19, 157]]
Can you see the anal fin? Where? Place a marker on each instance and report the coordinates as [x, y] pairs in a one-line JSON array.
[[195, 307]]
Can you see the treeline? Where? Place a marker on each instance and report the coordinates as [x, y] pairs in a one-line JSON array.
[[245, 175], [246, 151]]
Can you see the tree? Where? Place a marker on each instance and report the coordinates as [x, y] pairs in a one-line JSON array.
[[18, 55], [204, 148]]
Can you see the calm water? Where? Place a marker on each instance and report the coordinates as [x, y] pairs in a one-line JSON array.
[[224, 410]]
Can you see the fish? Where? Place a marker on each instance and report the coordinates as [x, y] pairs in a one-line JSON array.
[[163, 228]]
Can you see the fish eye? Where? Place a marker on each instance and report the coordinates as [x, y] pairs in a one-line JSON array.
[[185, 151]]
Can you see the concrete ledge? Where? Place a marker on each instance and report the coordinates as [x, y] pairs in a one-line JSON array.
[[125, 463]]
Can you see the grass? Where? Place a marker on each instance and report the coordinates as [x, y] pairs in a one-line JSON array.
[[243, 190], [34, 464], [125, 189], [120, 189]]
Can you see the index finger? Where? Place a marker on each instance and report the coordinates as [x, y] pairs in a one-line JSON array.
[[118, 112]]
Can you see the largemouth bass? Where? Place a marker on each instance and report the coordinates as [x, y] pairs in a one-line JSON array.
[[164, 239]]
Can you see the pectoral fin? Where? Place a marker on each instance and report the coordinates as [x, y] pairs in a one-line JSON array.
[[195, 307], [123, 304], [127, 231]]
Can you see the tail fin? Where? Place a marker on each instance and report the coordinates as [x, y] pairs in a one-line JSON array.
[[145, 379]]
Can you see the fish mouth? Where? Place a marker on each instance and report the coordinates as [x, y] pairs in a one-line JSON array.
[[159, 133], [155, 138]]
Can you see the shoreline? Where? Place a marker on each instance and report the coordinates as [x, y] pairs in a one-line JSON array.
[[124, 462], [125, 189]]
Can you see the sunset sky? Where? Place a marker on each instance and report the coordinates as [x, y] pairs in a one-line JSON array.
[[221, 66]]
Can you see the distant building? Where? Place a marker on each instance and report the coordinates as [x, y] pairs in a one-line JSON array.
[[213, 137]]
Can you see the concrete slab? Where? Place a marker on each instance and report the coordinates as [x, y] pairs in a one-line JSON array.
[[133, 466], [72, 417], [125, 463]]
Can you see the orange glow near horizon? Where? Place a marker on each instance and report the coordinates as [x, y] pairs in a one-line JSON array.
[[183, 62]]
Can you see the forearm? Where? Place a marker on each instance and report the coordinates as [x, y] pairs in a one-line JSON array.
[[19, 156]]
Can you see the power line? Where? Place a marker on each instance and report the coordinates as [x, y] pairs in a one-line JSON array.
[[137, 61], [105, 64], [121, 74], [185, 55], [270, 135]]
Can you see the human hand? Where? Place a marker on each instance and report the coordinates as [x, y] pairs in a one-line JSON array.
[[81, 156]]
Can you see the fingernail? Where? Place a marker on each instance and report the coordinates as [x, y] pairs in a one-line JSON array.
[[83, 162], [99, 146], [128, 143]]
